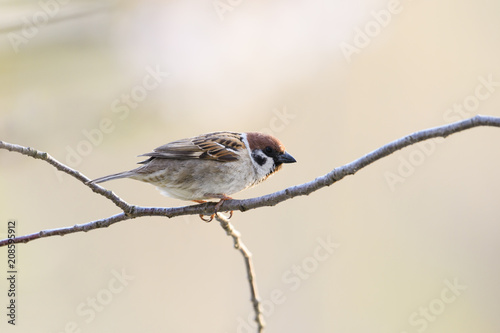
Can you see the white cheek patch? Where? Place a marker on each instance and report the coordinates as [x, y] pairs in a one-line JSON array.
[[263, 164]]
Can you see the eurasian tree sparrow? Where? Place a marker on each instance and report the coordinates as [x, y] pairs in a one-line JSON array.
[[210, 166]]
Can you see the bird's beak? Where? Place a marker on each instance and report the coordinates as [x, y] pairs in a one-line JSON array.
[[286, 158]]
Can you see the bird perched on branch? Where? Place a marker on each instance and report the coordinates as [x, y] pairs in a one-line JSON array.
[[210, 166]]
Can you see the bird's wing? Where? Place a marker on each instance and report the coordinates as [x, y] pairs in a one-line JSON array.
[[218, 146]]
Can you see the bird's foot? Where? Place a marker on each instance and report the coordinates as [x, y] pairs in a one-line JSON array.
[[222, 198]]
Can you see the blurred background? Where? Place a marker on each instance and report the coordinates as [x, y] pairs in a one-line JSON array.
[[408, 244]]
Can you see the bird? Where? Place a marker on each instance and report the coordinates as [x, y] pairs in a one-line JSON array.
[[209, 166]]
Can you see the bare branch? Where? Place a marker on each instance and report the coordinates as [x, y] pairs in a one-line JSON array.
[[247, 256], [28, 151], [103, 223], [131, 211]]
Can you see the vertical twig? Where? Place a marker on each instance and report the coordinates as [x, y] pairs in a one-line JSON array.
[[247, 256]]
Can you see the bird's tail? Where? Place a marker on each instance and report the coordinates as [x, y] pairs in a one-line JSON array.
[[125, 174]]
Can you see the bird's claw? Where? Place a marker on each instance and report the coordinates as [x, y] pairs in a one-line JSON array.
[[213, 215], [202, 217], [216, 209]]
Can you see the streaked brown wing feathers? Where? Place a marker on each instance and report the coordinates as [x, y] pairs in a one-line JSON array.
[[219, 146]]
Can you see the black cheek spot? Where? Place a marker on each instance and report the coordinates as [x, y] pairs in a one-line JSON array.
[[259, 159]]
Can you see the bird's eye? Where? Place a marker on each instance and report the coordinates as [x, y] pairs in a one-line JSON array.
[[268, 151]]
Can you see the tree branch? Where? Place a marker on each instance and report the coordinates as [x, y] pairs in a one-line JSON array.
[[28, 151], [131, 211], [247, 256]]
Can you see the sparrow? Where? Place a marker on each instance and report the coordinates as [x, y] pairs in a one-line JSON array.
[[209, 166]]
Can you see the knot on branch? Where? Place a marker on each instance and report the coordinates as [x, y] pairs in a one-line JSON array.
[[130, 211]]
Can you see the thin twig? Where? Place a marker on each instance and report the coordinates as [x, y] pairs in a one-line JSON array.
[[247, 256], [131, 211], [28, 151]]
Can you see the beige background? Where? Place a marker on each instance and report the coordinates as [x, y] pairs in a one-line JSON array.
[[400, 245]]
